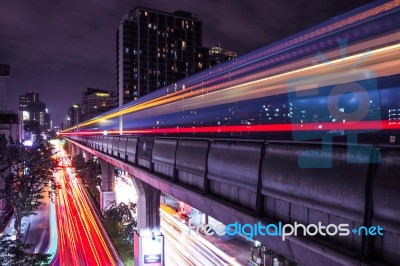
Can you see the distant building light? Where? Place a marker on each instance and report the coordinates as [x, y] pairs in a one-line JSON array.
[[55, 142], [25, 115], [215, 50], [75, 106], [28, 143], [99, 94], [105, 133]]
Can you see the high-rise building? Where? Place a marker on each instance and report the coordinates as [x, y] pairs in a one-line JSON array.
[[74, 113], [66, 123], [95, 102], [216, 55], [48, 124], [34, 110], [37, 112], [29, 97], [155, 48], [4, 74], [9, 124]]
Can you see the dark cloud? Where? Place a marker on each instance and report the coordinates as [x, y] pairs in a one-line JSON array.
[[60, 48]]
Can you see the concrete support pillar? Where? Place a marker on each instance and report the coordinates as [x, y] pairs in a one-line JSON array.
[[78, 150], [148, 206], [148, 241], [204, 218], [107, 194], [72, 150], [107, 175], [87, 156]]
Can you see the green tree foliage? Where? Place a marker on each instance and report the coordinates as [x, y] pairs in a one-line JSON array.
[[79, 163], [89, 171], [124, 214], [12, 252], [26, 171], [5, 162], [90, 174]]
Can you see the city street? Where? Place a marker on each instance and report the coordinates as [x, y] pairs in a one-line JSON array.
[[81, 240], [180, 247]]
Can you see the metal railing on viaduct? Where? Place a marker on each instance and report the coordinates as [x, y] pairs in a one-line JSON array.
[[248, 182]]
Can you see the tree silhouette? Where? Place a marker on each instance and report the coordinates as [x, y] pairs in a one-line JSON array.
[[26, 173], [124, 215], [12, 252], [89, 171]]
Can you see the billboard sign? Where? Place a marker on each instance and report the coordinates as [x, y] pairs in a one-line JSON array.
[[152, 250], [149, 249]]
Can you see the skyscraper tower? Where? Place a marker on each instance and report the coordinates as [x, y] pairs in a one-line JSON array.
[[155, 48], [25, 100], [4, 74]]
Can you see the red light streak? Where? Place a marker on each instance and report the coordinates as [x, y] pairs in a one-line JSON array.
[[266, 128]]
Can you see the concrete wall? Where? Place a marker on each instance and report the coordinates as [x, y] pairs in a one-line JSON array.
[[250, 181]]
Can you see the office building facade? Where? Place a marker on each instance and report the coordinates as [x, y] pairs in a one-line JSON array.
[[32, 109], [95, 102], [154, 49]]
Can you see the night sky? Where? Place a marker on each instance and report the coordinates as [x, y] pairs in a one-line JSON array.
[[60, 48]]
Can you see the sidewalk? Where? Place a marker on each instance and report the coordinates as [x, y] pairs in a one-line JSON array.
[[39, 228], [6, 220], [35, 228]]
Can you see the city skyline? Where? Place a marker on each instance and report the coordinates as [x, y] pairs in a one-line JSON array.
[[247, 133], [60, 49]]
